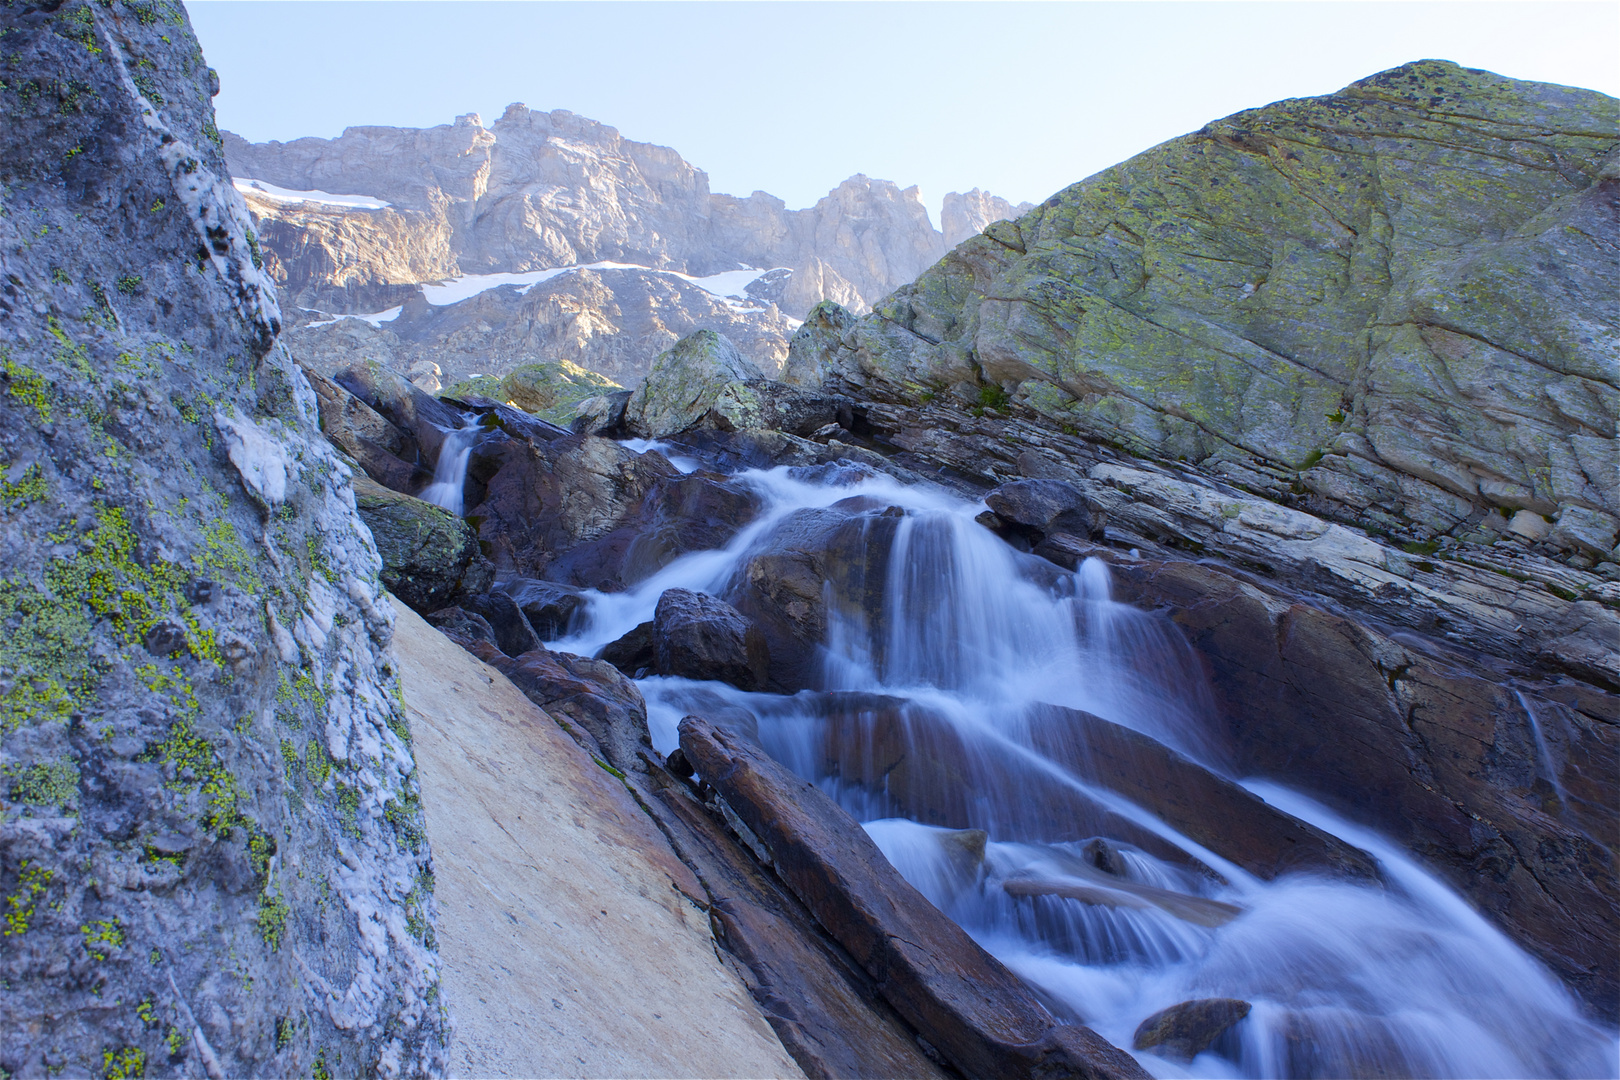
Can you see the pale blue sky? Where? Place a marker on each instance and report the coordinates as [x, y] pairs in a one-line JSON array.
[[792, 97]]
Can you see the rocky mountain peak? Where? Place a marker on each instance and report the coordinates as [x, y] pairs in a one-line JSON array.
[[543, 191]]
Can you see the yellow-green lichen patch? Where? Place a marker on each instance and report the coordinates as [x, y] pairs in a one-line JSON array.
[[27, 386], [32, 882], [69, 353], [126, 1064], [102, 938], [223, 552], [54, 783], [272, 919], [30, 487]]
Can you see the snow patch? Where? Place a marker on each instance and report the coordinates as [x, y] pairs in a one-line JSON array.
[[728, 285], [288, 195], [375, 319]]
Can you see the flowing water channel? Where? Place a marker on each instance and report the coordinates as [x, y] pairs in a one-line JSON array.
[[954, 693]]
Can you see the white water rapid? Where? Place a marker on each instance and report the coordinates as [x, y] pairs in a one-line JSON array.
[[450, 471], [951, 666]]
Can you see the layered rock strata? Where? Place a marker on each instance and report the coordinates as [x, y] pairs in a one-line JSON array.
[[211, 847]]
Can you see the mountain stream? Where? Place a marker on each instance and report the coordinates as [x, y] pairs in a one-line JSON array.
[[952, 688]]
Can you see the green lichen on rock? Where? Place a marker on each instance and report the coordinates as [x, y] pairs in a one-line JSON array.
[[1402, 295], [549, 390], [430, 556], [684, 384], [160, 457]]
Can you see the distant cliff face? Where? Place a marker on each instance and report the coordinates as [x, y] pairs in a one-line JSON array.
[[212, 859], [964, 215], [538, 191], [1397, 305]]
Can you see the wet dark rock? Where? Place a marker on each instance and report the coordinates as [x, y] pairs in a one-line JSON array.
[[1425, 743], [1186, 1030], [502, 417], [782, 585], [601, 415], [402, 404], [513, 634], [591, 693], [430, 557], [826, 1009], [1104, 856], [697, 636], [462, 626], [632, 654], [1029, 511], [1199, 803], [959, 998], [388, 455], [549, 607]]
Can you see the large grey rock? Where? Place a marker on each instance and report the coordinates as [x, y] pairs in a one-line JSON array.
[[684, 384], [211, 850], [1355, 301], [697, 636]]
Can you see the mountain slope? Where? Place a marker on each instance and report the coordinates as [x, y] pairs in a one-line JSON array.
[[1396, 305]]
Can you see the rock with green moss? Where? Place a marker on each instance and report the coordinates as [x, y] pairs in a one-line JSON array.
[[430, 557], [684, 384], [1397, 304], [209, 823], [552, 390]]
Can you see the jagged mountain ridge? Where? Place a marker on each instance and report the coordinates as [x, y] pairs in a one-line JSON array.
[[540, 191]]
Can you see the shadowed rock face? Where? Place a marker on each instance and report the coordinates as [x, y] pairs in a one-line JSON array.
[[212, 858], [1396, 304]]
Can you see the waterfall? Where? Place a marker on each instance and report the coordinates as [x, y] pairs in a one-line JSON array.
[[450, 471], [960, 688]]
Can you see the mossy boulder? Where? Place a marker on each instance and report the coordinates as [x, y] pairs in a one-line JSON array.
[[549, 390], [684, 384], [1397, 303], [431, 558]]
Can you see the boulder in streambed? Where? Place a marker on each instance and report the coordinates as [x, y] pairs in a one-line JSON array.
[[1186, 1030], [960, 999], [549, 606], [632, 654], [513, 634], [1026, 512], [697, 636], [684, 383], [430, 557]]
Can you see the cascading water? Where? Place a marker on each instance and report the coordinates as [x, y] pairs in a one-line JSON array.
[[450, 471], [953, 691]]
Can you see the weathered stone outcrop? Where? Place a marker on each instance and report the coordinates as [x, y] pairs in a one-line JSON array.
[[1394, 305], [211, 848]]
